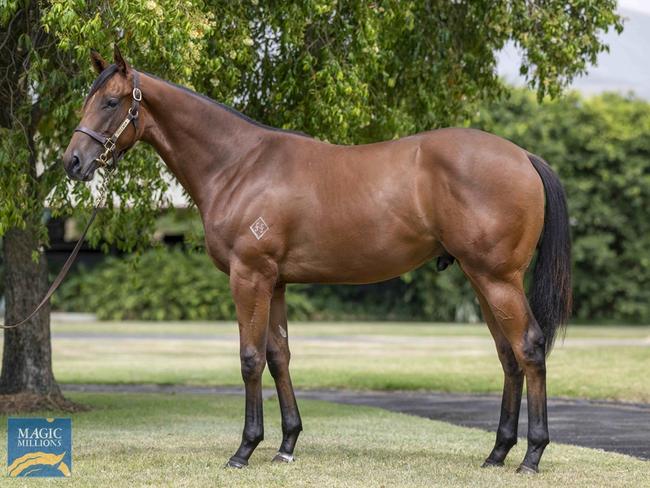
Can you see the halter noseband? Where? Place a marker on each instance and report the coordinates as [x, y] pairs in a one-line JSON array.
[[109, 142]]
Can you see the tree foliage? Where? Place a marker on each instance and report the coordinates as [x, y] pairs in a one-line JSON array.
[[359, 71], [45, 80], [350, 71]]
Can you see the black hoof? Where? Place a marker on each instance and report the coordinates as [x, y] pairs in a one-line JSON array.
[[282, 457], [236, 463], [492, 464], [523, 469]]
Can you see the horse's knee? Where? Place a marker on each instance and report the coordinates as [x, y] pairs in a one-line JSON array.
[[278, 360], [252, 363]]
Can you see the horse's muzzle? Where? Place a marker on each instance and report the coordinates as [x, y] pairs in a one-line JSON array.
[[76, 170]]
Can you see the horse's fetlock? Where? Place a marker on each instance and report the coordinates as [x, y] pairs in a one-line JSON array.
[[539, 440], [506, 437], [253, 437], [506, 442], [292, 427]]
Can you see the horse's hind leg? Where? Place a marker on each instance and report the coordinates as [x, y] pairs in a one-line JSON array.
[[509, 306], [513, 382], [277, 357]]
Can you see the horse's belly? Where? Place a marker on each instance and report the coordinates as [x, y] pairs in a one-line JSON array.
[[358, 259], [365, 222]]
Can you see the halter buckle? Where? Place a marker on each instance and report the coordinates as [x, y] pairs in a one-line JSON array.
[[137, 94], [109, 145]]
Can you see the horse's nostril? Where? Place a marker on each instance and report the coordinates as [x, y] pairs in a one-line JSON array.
[[75, 162]]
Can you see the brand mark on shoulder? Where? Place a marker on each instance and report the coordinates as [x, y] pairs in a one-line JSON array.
[[259, 228]]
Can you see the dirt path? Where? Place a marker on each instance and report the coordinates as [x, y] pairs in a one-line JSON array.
[[611, 426]]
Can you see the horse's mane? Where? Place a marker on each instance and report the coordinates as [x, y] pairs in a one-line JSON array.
[[228, 108], [105, 75]]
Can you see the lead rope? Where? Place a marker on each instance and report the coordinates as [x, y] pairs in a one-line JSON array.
[[101, 200]]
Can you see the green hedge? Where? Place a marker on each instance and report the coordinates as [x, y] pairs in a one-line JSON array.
[[159, 284], [172, 284]]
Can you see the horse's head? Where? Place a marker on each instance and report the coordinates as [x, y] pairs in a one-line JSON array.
[[108, 125]]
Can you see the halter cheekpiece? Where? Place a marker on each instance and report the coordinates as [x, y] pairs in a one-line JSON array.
[[109, 143]]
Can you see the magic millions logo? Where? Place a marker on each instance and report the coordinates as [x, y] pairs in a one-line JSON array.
[[39, 447]]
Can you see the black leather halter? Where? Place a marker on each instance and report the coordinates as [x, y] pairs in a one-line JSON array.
[[109, 143]]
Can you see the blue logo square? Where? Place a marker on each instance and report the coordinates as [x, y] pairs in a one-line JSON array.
[[39, 447]]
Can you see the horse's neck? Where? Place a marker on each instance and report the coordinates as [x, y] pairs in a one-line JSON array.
[[198, 139]]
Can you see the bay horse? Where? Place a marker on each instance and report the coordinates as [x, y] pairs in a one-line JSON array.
[[281, 207]]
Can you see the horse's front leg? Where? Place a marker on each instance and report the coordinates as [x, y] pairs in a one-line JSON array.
[[278, 356], [252, 292]]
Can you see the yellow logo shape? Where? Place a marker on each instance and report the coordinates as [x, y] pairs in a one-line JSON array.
[[35, 458]]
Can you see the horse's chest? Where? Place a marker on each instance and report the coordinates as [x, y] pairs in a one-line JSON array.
[[218, 246]]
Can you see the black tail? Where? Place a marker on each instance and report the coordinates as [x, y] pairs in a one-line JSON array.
[[550, 292]]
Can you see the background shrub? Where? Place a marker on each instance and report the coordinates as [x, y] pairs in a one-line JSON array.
[[160, 284]]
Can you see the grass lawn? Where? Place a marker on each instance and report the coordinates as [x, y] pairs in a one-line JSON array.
[[166, 440], [593, 362]]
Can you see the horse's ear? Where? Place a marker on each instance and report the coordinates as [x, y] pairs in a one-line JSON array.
[[119, 60], [98, 62]]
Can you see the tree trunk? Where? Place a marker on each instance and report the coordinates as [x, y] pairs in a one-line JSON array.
[[27, 382]]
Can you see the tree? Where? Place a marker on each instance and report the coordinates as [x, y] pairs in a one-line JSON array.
[[43, 76], [351, 71]]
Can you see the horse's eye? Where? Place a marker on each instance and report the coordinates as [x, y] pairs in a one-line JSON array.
[[112, 103]]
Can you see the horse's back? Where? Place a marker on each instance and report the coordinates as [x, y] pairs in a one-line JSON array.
[[371, 212], [403, 202]]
